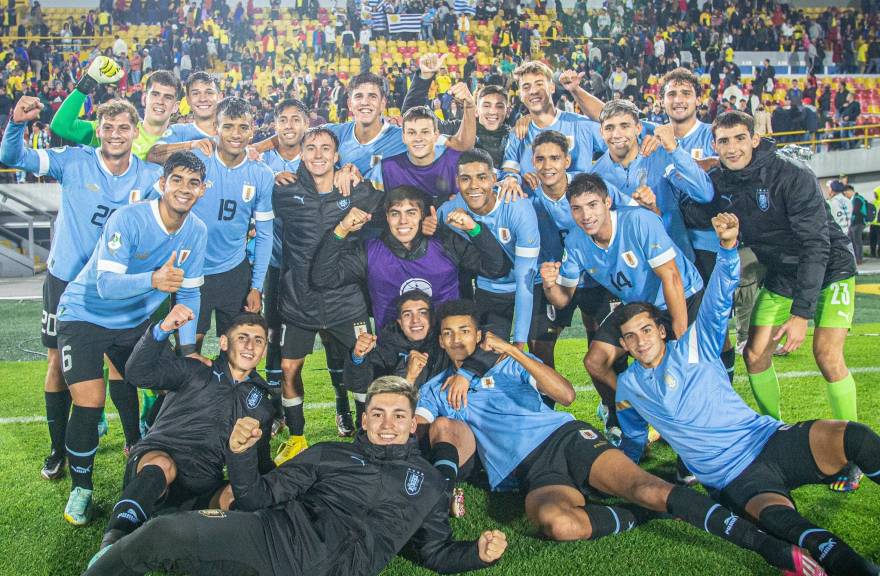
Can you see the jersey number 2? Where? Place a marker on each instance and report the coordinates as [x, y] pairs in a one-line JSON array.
[[227, 209], [99, 218]]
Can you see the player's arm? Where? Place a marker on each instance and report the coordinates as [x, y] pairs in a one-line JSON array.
[[265, 463], [480, 253], [364, 363], [684, 173], [546, 380], [511, 178], [190, 294], [263, 217], [809, 227], [161, 151], [339, 261], [153, 364], [67, 124], [560, 280], [15, 154], [466, 136], [673, 294], [525, 266], [634, 428], [590, 106]]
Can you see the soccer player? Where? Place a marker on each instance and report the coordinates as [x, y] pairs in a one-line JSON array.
[[180, 460], [375, 495], [94, 184], [810, 265], [515, 225], [161, 99], [146, 251], [536, 88], [556, 459], [628, 251], [748, 462], [310, 208], [238, 190]]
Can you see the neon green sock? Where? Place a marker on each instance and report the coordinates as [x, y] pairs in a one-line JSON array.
[[842, 396], [765, 387]]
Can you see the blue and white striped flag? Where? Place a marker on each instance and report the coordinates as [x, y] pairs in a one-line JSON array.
[[377, 14], [465, 7], [401, 23]]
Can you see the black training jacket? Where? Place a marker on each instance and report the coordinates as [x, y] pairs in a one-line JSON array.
[[785, 220], [200, 409], [349, 508], [306, 218]]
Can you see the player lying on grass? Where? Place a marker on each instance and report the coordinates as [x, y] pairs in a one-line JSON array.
[[179, 463], [337, 508], [750, 463], [556, 459]]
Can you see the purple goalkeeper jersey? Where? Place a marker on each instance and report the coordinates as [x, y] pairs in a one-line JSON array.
[[437, 180]]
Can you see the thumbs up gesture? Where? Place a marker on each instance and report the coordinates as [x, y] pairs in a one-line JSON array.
[[429, 222], [168, 278]]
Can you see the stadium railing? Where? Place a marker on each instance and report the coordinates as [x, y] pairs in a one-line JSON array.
[[866, 133]]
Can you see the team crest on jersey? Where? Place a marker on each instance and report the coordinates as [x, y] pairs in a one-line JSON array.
[[671, 382], [504, 235], [209, 184], [167, 133], [134, 196], [697, 153], [487, 383], [254, 397], [343, 203], [763, 198], [413, 482], [115, 242], [375, 159], [629, 258], [182, 256], [571, 142], [416, 284], [588, 434], [92, 187], [248, 192]]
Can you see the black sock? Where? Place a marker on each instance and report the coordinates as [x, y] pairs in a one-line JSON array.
[[444, 456], [150, 416], [342, 405], [728, 358], [827, 549], [82, 443], [608, 520], [703, 512], [294, 416], [57, 414], [274, 373], [138, 499], [862, 447], [125, 398]]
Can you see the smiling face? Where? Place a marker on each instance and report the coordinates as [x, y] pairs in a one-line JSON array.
[[643, 339], [680, 101], [181, 189], [459, 337], [389, 419], [550, 163], [117, 133], [244, 346], [404, 219], [203, 98], [590, 211], [366, 104], [234, 134], [290, 125], [414, 320], [419, 136], [536, 92], [160, 102], [492, 111], [735, 146], [475, 183], [319, 154], [621, 134]]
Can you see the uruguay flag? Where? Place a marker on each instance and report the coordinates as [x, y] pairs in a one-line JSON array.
[[468, 7]]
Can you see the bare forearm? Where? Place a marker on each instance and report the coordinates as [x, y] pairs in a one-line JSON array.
[[590, 105], [159, 153], [549, 382]]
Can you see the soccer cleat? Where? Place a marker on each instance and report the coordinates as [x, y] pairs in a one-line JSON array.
[[53, 466], [344, 425], [740, 347], [848, 480], [456, 505], [804, 565], [277, 426], [293, 446], [110, 538], [683, 476], [653, 435], [79, 506], [97, 555], [103, 426], [779, 351]]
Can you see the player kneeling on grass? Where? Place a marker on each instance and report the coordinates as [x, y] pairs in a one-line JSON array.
[[749, 462], [337, 508], [180, 461], [556, 459]]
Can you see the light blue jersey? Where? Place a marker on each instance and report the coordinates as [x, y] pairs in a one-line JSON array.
[[233, 197], [388, 142], [114, 289], [278, 164], [669, 175], [698, 143], [515, 226], [183, 132], [688, 397], [89, 194], [639, 243], [584, 137], [505, 412]]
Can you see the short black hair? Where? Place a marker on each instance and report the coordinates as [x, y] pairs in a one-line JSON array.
[[165, 78], [186, 160], [475, 155], [586, 183], [629, 311], [367, 78], [291, 103], [234, 107], [490, 89], [457, 308], [318, 130], [247, 319], [405, 193], [733, 118], [420, 113], [414, 295], [203, 77], [551, 137]]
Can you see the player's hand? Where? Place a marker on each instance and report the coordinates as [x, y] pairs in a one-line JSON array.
[[430, 222], [462, 94], [708, 163], [491, 545], [353, 221], [395, 120], [521, 128], [245, 434], [795, 328], [253, 153], [430, 64], [460, 219], [254, 301], [347, 178], [200, 358], [168, 278], [646, 198], [650, 144], [456, 387], [104, 70], [492, 343], [285, 178], [364, 344], [665, 133], [205, 146], [510, 190], [570, 80], [177, 317], [727, 228], [550, 273], [415, 363], [27, 110], [530, 179]]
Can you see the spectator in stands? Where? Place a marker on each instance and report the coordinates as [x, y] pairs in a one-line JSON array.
[[849, 115]]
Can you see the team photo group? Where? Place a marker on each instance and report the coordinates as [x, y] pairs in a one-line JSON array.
[[439, 262]]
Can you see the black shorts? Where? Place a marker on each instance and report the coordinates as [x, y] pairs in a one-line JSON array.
[[186, 492], [785, 463], [563, 459], [84, 344], [705, 263], [53, 288], [271, 299], [594, 302], [298, 342], [495, 312], [609, 333], [224, 294]]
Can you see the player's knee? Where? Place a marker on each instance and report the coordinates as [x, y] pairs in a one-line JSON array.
[[442, 430], [597, 363], [831, 362], [756, 360], [565, 526]]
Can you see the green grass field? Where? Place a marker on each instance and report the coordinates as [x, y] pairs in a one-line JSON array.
[[34, 540]]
